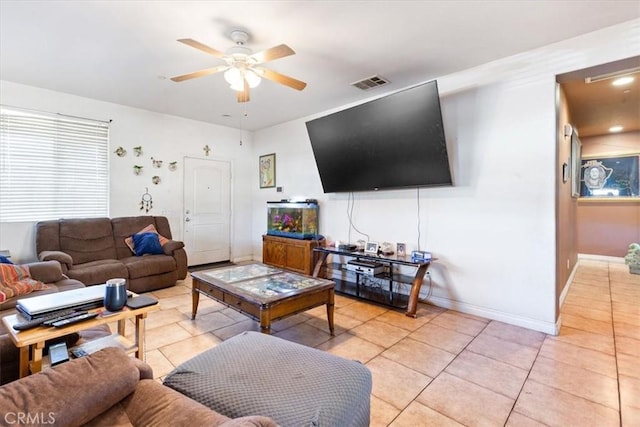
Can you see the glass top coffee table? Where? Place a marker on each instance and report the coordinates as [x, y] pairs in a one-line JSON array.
[[262, 292]]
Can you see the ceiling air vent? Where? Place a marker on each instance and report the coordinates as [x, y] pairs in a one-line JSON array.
[[370, 83]]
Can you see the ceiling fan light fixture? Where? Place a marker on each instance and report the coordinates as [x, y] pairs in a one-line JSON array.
[[237, 86], [233, 76], [252, 78]]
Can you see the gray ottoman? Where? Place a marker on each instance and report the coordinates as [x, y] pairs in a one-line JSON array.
[[258, 374]]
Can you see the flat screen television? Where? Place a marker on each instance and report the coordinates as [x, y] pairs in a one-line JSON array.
[[392, 142]]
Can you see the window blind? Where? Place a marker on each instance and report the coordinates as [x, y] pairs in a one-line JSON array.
[[52, 167]]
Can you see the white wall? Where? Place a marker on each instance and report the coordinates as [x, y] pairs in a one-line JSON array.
[[163, 137], [494, 231]]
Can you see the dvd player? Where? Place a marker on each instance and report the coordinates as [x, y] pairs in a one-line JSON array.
[[368, 268], [347, 247]]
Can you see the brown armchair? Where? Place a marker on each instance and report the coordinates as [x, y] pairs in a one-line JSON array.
[[50, 273], [107, 388]]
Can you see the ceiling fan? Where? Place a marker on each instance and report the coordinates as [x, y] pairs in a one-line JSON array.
[[242, 70]]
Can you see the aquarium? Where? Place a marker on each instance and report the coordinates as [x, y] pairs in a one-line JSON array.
[[298, 220]]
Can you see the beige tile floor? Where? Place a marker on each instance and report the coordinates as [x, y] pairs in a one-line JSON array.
[[449, 368]]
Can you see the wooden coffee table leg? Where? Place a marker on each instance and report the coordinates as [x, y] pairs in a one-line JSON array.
[[265, 321], [330, 306], [195, 299], [24, 361], [122, 323]]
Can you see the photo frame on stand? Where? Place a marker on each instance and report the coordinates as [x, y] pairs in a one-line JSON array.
[[401, 249], [371, 248], [267, 172]]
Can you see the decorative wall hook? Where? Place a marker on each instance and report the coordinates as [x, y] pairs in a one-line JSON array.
[[137, 150], [156, 163], [137, 169], [173, 166], [206, 150], [120, 152], [156, 180]]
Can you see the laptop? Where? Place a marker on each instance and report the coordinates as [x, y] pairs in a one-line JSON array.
[[84, 298]]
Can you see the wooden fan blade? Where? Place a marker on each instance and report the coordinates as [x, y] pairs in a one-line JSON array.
[[202, 47], [281, 78], [200, 73], [274, 53], [244, 95]]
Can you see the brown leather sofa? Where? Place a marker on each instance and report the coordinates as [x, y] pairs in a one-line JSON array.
[[49, 272], [93, 250], [107, 388]]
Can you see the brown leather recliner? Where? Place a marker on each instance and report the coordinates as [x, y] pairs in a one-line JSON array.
[[50, 273], [107, 388], [93, 250]]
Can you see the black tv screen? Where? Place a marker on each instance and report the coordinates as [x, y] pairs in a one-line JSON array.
[[396, 141]]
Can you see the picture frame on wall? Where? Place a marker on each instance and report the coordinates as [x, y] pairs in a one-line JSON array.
[[267, 171], [614, 176]]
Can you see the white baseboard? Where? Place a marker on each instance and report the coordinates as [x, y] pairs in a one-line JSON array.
[[558, 325], [567, 285], [243, 259], [604, 258], [536, 325]]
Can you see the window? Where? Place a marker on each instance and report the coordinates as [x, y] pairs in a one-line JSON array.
[[52, 167]]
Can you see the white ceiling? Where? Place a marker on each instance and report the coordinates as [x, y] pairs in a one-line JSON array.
[[124, 51]]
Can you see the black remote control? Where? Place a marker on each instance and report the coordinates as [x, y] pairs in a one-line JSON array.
[[75, 319], [78, 352], [29, 324], [37, 321], [66, 316]]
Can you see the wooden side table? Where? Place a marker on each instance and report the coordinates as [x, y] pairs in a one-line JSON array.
[[35, 338]]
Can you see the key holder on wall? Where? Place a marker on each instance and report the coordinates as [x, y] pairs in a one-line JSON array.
[[146, 203]]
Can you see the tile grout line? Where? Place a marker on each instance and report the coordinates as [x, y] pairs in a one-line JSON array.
[[387, 348], [515, 401], [615, 347], [538, 355], [434, 378], [443, 370]]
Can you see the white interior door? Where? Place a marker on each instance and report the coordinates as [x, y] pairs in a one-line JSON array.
[[207, 210]]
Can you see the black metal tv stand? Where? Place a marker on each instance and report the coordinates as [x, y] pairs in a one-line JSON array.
[[387, 297]]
